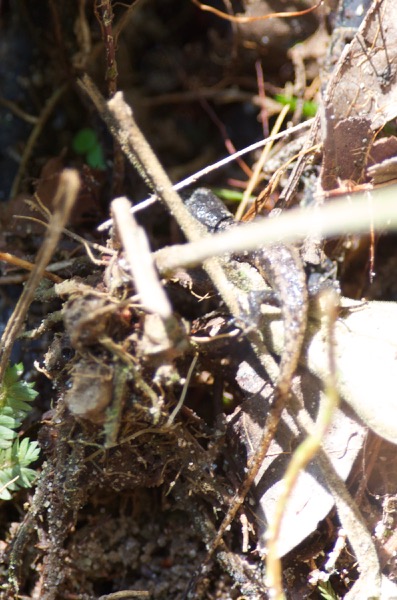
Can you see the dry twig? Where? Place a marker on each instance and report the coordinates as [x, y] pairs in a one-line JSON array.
[[360, 211], [69, 184]]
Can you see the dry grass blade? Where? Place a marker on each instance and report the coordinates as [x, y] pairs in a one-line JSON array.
[[351, 213]]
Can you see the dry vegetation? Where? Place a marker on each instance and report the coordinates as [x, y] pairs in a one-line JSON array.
[[154, 388]]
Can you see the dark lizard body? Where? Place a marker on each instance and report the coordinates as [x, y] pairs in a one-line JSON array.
[[282, 268]]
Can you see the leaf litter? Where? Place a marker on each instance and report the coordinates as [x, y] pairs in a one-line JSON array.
[[159, 484]]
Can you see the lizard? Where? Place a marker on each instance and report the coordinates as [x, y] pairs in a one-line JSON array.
[[282, 268]]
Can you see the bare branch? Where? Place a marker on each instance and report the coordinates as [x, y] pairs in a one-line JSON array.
[[353, 213], [69, 184]]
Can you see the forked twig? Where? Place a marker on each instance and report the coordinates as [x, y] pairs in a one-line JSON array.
[[119, 118], [218, 165]]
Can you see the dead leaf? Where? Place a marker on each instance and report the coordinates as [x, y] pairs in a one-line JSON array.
[[362, 92], [382, 165], [311, 501]]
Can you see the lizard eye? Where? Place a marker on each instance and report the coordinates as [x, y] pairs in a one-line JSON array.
[[67, 353]]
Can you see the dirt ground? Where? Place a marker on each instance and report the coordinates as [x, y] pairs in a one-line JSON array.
[[146, 421]]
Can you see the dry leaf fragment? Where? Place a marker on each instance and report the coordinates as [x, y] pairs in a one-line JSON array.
[[91, 390], [362, 90]]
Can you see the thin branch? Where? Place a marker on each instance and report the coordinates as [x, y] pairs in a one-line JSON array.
[[104, 13], [350, 215], [36, 131], [119, 118], [139, 257], [350, 517], [11, 259], [67, 191], [18, 111], [259, 166], [303, 454], [250, 19], [219, 164], [74, 236], [127, 594]]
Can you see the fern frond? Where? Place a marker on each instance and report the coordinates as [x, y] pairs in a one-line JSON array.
[[16, 396], [7, 435], [15, 393], [14, 471]]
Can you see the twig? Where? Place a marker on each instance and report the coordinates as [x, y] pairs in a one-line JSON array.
[[292, 183], [74, 236], [25, 264], [349, 214], [263, 115], [261, 200], [119, 118], [125, 594], [224, 133], [68, 188], [104, 13], [219, 164], [248, 19], [269, 431], [136, 246], [259, 165], [349, 515], [37, 129], [117, 29], [18, 111], [182, 397]]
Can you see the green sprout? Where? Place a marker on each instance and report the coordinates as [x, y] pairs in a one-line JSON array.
[[229, 195], [326, 590], [309, 109], [86, 143]]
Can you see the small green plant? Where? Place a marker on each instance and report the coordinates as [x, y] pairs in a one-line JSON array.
[[16, 396], [326, 590], [309, 109], [86, 143]]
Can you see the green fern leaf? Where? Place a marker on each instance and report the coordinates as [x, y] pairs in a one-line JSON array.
[[16, 393], [16, 396], [27, 451], [14, 473], [7, 436]]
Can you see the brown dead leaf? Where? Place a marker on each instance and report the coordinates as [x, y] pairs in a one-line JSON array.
[[361, 92], [382, 164], [311, 501]]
